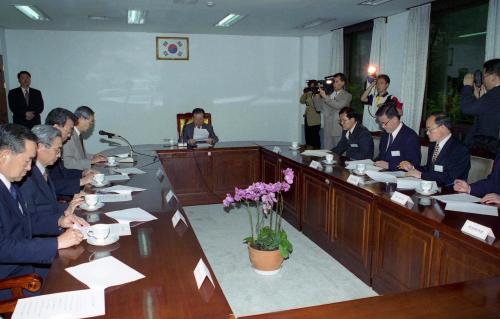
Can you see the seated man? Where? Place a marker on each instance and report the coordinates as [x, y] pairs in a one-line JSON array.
[[447, 159], [37, 188], [74, 154], [356, 140], [19, 249], [197, 131], [398, 142], [488, 188], [67, 182]]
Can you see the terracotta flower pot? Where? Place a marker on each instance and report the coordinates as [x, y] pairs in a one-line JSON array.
[[265, 262]]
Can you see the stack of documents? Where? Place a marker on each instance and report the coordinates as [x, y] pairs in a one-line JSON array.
[[131, 215], [467, 204], [382, 177], [369, 165], [317, 153], [113, 198], [114, 178]]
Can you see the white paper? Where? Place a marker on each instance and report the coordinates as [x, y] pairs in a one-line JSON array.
[[318, 153], [121, 189], [178, 217], [122, 155], [368, 167], [200, 134], [200, 272], [408, 183], [397, 174], [104, 272], [113, 198], [120, 177], [460, 197], [472, 208], [71, 304], [131, 215], [129, 170], [381, 177], [365, 161]]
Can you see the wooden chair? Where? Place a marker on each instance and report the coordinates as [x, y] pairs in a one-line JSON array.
[[186, 118], [32, 283]]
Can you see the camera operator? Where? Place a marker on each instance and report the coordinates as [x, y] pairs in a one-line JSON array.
[[329, 102], [483, 101], [312, 118]]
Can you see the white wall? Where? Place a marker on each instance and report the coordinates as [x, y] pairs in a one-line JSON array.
[[396, 31], [249, 84]]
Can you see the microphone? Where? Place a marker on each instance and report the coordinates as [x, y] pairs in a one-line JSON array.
[[113, 135], [108, 134]]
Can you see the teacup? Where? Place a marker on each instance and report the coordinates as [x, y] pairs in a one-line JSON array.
[[111, 160], [171, 141], [329, 158], [361, 168], [99, 231], [99, 178], [295, 144], [91, 200], [426, 186]]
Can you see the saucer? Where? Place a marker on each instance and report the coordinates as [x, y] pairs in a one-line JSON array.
[[355, 171], [95, 184], [421, 192], [111, 239], [294, 148], [112, 165], [328, 163], [88, 208]]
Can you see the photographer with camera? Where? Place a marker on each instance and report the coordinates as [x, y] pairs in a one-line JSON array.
[[331, 98], [312, 118], [480, 96]]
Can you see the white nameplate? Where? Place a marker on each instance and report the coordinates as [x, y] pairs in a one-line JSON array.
[[401, 198], [395, 153], [353, 179], [438, 168], [159, 174], [315, 164], [177, 217], [170, 195], [354, 145], [477, 231], [276, 149], [201, 272]]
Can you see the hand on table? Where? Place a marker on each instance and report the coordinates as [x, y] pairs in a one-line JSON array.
[[405, 165], [382, 164], [461, 186], [70, 237], [491, 198], [69, 220]]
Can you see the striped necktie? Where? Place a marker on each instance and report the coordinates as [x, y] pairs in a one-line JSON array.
[[27, 96], [435, 154]]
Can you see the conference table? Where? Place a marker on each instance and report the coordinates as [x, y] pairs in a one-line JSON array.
[[415, 256]]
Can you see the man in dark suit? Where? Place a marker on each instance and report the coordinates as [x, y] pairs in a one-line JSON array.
[[197, 131], [488, 188], [19, 248], [25, 103], [398, 142], [356, 141], [447, 159]]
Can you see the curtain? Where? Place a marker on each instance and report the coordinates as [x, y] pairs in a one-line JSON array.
[[337, 62], [415, 51], [493, 31]]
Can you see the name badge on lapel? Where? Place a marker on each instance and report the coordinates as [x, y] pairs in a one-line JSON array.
[[395, 153], [438, 168], [354, 145]]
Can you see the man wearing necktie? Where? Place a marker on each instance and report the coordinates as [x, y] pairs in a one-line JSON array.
[[356, 141], [26, 103], [198, 131]]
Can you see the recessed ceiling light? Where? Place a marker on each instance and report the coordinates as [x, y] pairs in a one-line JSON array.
[[32, 12], [372, 2], [136, 16], [210, 4], [99, 18], [229, 20]]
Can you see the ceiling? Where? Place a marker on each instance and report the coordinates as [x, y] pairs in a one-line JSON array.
[[263, 17]]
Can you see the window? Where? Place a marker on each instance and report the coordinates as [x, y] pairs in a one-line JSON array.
[[456, 47]]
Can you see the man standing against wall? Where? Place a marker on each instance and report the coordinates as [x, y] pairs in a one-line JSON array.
[[26, 103]]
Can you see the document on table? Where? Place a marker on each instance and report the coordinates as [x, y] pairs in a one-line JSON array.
[[71, 304], [461, 197], [104, 272], [113, 198], [408, 182], [119, 177], [115, 229], [368, 167], [472, 208], [318, 153], [381, 177], [121, 189], [129, 170], [131, 215], [365, 161]]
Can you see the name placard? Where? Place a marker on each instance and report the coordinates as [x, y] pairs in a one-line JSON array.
[[169, 196], [201, 272], [401, 198], [159, 174], [177, 217], [478, 231], [354, 180], [276, 149], [315, 165]]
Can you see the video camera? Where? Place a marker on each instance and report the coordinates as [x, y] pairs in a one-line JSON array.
[[478, 78], [311, 86], [327, 84]]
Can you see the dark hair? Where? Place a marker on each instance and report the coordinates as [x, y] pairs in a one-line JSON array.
[[83, 112], [14, 137], [349, 112], [385, 77], [59, 116], [198, 110], [492, 66], [389, 109], [23, 72], [442, 118], [341, 76]]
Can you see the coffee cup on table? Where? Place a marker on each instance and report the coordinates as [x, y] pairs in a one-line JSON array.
[[111, 160], [295, 144], [426, 186], [361, 168], [329, 158], [91, 200], [99, 231], [99, 178]]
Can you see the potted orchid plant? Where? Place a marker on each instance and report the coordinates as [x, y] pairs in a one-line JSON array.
[[268, 243]]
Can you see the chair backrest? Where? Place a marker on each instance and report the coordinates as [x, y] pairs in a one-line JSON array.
[[480, 168], [376, 142], [186, 118], [424, 150]]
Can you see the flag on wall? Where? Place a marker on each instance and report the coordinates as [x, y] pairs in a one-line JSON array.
[[170, 48]]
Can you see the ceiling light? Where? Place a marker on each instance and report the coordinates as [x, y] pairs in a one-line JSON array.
[[229, 20], [32, 12], [373, 2], [136, 16], [314, 23], [99, 18], [468, 35]]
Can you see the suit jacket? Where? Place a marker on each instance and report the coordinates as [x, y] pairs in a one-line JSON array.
[[73, 154], [312, 116], [453, 162], [40, 196], [330, 108], [188, 132], [66, 181], [359, 145], [19, 250], [18, 106], [405, 147], [490, 184], [486, 109]]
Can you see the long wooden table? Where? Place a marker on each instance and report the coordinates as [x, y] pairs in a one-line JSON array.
[[390, 247]]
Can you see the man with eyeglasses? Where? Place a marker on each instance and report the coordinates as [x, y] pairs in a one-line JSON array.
[[356, 140], [398, 142], [447, 159]]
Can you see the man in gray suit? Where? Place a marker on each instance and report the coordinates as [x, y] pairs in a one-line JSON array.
[[330, 105], [197, 131], [74, 154]]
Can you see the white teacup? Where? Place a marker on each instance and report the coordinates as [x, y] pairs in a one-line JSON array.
[[426, 186], [99, 231], [329, 158], [171, 141], [361, 167], [91, 200], [111, 160], [99, 178], [295, 144]]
